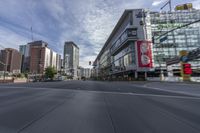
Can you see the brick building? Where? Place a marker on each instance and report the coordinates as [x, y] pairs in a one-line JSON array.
[[39, 57], [10, 60]]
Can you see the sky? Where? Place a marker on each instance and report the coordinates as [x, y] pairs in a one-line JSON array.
[[88, 23]]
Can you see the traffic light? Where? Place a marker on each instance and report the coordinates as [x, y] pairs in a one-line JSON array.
[[153, 41], [187, 68]]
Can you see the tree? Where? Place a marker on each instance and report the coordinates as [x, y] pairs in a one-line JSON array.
[[50, 72]]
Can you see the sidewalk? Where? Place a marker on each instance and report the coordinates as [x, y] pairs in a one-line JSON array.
[[189, 88]]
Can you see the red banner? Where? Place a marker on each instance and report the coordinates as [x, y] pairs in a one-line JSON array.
[[144, 51]]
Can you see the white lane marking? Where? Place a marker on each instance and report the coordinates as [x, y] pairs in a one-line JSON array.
[[118, 93], [165, 90], [15, 87], [146, 95]]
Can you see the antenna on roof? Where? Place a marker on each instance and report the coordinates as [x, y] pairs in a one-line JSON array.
[[31, 33]]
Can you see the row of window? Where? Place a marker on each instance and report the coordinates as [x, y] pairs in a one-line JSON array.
[[127, 33], [123, 52], [124, 59], [124, 62]]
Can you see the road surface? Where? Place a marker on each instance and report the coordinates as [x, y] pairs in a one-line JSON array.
[[96, 107]]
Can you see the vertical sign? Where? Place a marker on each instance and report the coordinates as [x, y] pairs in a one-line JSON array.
[[186, 70], [144, 54]]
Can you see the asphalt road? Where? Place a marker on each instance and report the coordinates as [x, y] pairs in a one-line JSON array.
[[95, 107]]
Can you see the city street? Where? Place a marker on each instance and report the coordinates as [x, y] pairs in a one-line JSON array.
[[97, 107]]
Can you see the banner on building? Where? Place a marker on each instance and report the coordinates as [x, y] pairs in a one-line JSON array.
[[144, 54], [184, 6]]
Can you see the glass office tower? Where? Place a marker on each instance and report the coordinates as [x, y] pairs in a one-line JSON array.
[[169, 45]]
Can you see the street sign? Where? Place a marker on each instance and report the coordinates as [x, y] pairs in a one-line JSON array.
[[163, 39], [132, 32], [184, 59], [172, 61], [184, 6]]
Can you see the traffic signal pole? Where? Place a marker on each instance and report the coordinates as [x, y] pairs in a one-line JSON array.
[[186, 70]]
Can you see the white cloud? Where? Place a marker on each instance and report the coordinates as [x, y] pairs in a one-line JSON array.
[[11, 39], [157, 2], [93, 23], [56, 9], [86, 22]]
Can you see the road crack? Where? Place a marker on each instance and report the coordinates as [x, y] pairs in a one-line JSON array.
[[41, 116], [109, 114]]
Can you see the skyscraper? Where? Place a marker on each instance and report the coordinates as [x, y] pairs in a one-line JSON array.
[[25, 50], [40, 57], [37, 56], [71, 59]]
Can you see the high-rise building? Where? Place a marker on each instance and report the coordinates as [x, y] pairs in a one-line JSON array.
[[40, 57], [53, 59], [169, 45], [25, 50], [37, 57], [22, 49], [62, 63], [11, 60], [127, 53], [71, 59], [58, 62], [131, 52], [47, 60]]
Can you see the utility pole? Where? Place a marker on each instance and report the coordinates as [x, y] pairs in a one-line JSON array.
[[168, 3], [170, 9]]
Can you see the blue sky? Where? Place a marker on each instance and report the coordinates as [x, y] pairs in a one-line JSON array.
[[86, 22]]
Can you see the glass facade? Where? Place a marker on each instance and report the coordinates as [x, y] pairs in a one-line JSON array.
[[169, 45], [128, 33], [104, 62], [124, 59]]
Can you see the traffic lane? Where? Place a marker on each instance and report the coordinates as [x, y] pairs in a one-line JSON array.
[[189, 88], [98, 86], [154, 114], [21, 110], [121, 87], [86, 112], [171, 107], [97, 112], [16, 95]]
